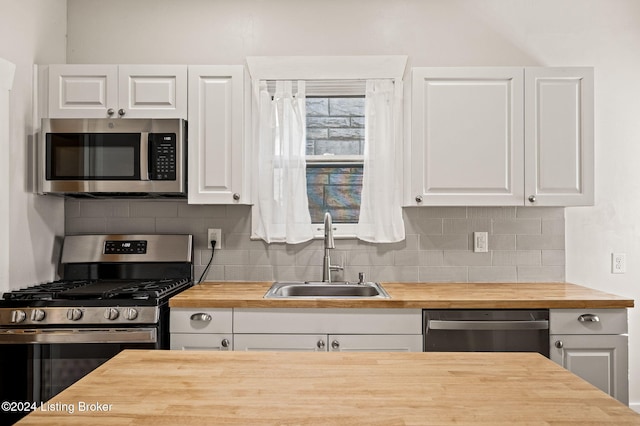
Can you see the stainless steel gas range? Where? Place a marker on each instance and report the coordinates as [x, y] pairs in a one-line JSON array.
[[113, 296]]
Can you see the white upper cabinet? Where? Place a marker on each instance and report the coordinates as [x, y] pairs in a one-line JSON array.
[[217, 148], [467, 136], [116, 91], [559, 148], [501, 136]]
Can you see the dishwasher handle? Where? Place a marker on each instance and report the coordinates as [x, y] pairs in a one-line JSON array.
[[488, 325]]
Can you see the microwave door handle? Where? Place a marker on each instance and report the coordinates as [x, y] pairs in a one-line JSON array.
[[144, 156]]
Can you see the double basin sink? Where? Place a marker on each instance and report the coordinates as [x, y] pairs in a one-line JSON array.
[[324, 290]]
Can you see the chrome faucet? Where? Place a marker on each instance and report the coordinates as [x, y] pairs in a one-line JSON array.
[[329, 244]]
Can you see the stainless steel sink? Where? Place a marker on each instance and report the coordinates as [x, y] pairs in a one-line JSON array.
[[324, 290]]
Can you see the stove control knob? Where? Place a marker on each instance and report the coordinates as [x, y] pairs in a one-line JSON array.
[[37, 315], [131, 314], [111, 314], [74, 314], [18, 316]]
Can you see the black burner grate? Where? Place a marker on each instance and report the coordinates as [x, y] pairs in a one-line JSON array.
[[157, 289]]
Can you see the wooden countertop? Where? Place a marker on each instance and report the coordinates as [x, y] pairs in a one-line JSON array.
[[410, 295], [341, 388]]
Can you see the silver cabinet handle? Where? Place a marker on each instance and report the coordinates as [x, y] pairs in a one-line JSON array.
[[559, 344], [201, 316], [588, 318], [110, 112], [488, 325], [236, 196], [320, 344], [532, 198], [121, 112], [225, 343], [335, 345], [418, 198]]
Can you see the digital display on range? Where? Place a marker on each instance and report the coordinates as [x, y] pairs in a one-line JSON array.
[[125, 247]]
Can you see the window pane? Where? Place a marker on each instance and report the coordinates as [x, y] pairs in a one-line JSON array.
[[334, 188], [335, 125]]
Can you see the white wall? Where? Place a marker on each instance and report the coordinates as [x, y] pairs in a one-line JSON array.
[[603, 34], [32, 31]]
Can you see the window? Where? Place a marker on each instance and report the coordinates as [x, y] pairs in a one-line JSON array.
[[334, 151], [335, 148]]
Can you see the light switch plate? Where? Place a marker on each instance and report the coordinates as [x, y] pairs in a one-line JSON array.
[[480, 242]]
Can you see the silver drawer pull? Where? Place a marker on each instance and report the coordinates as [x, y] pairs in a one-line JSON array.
[[588, 318], [201, 317]]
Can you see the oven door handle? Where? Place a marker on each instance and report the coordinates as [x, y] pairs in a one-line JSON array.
[[488, 325], [80, 335]]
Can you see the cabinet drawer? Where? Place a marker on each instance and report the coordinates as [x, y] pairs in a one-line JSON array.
[[201, 342], [200, 320], [327, 321], [588, 321]]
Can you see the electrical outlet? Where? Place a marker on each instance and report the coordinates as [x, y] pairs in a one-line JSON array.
[[618, 263], [214, 234], [480, 242]]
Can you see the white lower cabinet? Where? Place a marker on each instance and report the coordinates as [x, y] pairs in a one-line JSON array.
[[593, 344], [201, 329], [327, 330]]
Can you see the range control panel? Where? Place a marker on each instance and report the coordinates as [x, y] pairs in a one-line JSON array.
[[125, 247]]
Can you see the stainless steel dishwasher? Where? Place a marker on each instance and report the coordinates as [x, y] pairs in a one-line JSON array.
[[474, 330]]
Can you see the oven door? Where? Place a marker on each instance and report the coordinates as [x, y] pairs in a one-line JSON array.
[[35, 365]]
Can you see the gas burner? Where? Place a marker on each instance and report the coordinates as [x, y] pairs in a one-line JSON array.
[[46, 291]]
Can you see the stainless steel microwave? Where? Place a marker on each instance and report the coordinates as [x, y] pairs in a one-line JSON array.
[[113, 157]]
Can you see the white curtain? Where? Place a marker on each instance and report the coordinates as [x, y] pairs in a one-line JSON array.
[[381, 203], [281, 211]]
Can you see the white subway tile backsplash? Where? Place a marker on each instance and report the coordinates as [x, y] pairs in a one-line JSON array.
[[444, 242], [129, 225], [489, 274], [154, 209], [553, 257], [525, 243], [443, 274], [464, 226], [466, 258], [553, 226], [394, 274], [541, 273], [540, 242], [515, 258], [492, 212], [519, 226]]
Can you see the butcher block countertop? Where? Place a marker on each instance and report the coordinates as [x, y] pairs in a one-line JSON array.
[[338, 388], [410, 295]]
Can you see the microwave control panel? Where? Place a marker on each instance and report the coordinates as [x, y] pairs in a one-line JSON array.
[[162, 156]]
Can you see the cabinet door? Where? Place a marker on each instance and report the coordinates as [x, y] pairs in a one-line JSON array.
[[201, 342], [280, 342], [559, 136], [467, 136], [216, 135], [152, 91], [375, 343], [82, 91], [602, 360]]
